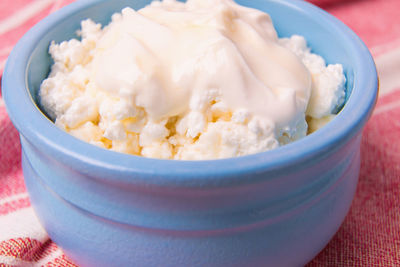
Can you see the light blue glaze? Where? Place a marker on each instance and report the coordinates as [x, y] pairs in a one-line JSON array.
[[277, 208]]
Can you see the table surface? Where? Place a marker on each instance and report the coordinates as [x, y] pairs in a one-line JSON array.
[[370, 234]]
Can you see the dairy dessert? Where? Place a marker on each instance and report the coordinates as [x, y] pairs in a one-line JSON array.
[[204, 79]]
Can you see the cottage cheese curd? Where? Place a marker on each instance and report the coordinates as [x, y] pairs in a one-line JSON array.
[[203, 79]]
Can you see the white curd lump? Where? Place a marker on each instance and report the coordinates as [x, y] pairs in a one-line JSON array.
[[205, 79]]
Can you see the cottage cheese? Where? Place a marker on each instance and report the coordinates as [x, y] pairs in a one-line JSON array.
[[203, 79]]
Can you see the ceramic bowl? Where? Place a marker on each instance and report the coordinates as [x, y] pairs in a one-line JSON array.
[[277, 208]]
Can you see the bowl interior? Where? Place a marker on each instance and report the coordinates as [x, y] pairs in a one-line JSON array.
[[29, 64], [287, 17]]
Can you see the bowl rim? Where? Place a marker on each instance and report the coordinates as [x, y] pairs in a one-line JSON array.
[[113, 166]]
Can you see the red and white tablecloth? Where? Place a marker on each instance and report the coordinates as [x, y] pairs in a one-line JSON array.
[[370, 235]]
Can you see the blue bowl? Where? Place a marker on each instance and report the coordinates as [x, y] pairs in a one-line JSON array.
[[277, 208]]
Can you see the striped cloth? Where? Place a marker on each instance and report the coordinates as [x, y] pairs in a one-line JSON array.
[[370, 235]]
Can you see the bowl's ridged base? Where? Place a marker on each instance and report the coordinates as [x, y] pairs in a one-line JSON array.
[[290, 238]]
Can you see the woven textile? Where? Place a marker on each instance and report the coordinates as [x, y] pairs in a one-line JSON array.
[[370, 234]]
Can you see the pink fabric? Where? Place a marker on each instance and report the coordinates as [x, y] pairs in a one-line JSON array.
[[370, 235]]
